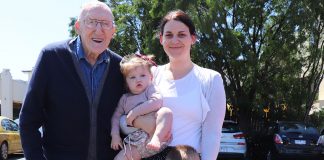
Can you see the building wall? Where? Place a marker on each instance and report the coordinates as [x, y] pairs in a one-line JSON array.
[[321, 95], [11, 92], [19, 90]]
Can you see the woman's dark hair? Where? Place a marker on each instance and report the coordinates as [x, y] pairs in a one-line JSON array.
[[181, 16]]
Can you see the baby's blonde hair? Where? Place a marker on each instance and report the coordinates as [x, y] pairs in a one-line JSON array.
[[134, 60]]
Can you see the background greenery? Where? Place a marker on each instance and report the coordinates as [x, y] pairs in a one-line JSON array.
[[269, 52]]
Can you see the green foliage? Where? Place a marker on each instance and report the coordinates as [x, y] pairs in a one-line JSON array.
[[71, 27], [317, 119], [268, 52]]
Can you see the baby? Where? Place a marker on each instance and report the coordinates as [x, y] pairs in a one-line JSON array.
[[143, 99]]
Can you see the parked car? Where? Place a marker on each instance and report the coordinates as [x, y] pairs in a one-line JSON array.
[[233, 143], [9, 138], [291, 140]]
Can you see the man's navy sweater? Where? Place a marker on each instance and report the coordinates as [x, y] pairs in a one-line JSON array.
[[73, 127]]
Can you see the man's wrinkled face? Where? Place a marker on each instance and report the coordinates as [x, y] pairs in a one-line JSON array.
[[96, 29]]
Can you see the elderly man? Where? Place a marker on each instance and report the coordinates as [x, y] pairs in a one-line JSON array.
[[75, 87]]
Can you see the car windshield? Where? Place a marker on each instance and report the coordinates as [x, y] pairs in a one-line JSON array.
[[297, 127], [229, 127]]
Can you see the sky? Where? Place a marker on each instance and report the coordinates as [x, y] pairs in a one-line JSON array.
[[27, 26]]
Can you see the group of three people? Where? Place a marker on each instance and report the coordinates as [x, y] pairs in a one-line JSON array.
[[77, 85]]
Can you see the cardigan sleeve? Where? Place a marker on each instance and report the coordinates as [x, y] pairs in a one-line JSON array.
[[31, 116], [212, 125]]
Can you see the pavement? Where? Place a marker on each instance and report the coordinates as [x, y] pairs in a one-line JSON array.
[[16, 157]]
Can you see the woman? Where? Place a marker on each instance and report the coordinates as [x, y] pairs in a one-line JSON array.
[[195, 95]]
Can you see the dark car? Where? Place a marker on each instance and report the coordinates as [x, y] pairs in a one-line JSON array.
[[291, 140]]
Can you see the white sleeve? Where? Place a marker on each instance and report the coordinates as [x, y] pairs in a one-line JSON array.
[[212, 126]]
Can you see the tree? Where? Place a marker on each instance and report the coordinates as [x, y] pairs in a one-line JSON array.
[[270, 53]]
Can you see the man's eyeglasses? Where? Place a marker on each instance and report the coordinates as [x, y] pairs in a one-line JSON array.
[[92, 23]]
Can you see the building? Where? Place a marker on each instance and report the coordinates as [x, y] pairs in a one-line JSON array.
[[321, 95], [12, 94]]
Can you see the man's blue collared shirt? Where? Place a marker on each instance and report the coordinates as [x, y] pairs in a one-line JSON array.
[[93, 74]]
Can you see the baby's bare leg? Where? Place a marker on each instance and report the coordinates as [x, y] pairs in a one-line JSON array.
[[163, 128], [146, 123], [131, 153]]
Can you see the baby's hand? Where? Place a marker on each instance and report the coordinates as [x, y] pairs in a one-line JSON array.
[[130, 117], [116, 142]]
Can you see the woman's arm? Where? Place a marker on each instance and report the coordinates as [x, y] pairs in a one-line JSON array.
[[212, 125]]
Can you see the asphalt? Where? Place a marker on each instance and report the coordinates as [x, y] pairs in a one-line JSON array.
[[16, 157]]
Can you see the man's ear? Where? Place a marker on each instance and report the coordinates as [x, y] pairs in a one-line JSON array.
[[114, 31], [77, 26]]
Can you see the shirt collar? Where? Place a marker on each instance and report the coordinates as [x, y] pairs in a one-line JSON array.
[[103, 57]]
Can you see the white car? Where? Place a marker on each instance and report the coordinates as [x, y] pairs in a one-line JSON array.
[[233, 143], [320, 142]]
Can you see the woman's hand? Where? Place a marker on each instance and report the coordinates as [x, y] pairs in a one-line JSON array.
[[116, 142]]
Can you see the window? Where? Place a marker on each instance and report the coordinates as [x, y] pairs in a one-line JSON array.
[[14, 126], [9, 125], [229, 127], [6, 124], [297, 127]]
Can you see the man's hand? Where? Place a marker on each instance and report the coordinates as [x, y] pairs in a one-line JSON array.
[[116, 142]]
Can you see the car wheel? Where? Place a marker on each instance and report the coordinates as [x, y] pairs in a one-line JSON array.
[[4, 151]]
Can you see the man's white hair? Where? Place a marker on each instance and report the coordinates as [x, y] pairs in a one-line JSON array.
[[93, 4]]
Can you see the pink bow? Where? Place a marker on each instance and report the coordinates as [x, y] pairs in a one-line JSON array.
[[138, 54]]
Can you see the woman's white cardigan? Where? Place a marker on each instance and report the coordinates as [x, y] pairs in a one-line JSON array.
[[214, 106], [214, 94]]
